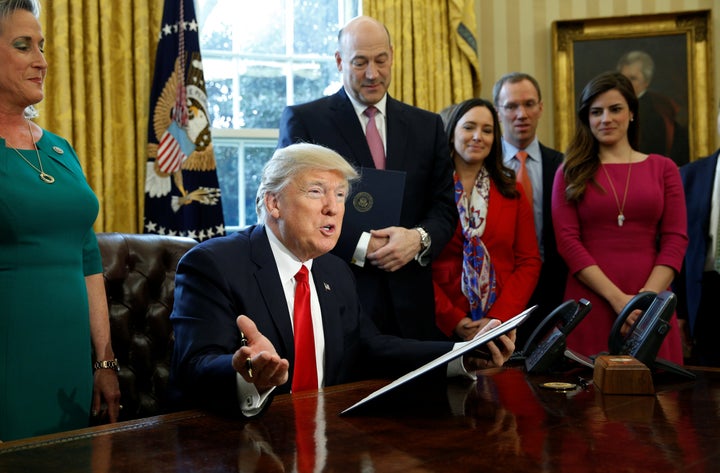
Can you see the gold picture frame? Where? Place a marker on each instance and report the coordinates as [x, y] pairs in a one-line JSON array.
[[680, 45]]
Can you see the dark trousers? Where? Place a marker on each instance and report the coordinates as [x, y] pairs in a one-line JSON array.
[[706, 335]]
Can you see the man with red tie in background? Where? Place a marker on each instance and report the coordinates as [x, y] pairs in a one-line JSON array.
[[391, 265], [233, 362], [519, 104]]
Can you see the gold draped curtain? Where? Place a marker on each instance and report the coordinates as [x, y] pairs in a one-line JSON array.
[[101, 58], [435, 43]]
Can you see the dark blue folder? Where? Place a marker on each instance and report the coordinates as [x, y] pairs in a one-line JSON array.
[[375, 201]]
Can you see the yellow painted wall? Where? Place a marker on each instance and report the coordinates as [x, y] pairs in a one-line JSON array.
[[525, 28]]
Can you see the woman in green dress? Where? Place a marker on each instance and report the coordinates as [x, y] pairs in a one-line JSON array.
[[53, 309]]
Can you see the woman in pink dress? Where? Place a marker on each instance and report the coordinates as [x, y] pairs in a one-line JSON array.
[[619, 215]]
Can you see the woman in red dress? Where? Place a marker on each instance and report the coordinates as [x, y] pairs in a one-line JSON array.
[[619, 215]]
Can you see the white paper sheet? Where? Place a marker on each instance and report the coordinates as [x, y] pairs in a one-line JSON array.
[[459, 350]]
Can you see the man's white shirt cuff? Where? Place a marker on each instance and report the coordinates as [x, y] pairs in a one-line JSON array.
[[251, 402], [360, 253], [456, 367]]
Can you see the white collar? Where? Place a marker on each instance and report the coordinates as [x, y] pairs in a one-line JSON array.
[[287, 263]]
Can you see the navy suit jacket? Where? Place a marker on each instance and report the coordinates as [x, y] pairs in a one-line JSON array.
[[417, 145], [697, 178], [550, 289], [224, 277]]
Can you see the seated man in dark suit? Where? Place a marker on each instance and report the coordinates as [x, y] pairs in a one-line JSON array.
[[301, 202]]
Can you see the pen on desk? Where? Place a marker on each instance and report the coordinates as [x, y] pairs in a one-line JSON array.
[[248, 362]]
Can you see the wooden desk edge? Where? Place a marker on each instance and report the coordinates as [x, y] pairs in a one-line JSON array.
[[96, 431], [89, 432]]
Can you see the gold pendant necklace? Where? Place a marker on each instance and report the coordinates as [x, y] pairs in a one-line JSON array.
[[621, 208], [45, 177]]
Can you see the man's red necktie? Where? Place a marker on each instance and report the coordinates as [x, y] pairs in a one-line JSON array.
[[305, 371]]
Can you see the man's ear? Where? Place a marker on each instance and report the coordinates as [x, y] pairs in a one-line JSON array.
[[338, 61], [272, 205]]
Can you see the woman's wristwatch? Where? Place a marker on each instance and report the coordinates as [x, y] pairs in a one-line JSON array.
[[107, 365]]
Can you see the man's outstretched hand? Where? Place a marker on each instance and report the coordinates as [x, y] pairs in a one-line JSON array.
[[257, 361]]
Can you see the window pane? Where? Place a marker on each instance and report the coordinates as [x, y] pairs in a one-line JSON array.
[[239, 167], [220, 103], [316, 27], [258, 57], [268, 87], [255, 159], [315, 80], [228, 157]]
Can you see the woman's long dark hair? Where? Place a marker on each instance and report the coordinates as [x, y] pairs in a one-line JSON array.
[[502, 176], [581, 158]]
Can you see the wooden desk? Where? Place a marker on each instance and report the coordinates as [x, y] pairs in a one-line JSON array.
[[503, 423]]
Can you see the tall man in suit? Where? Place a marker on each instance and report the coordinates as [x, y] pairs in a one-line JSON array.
[[699, 284], [519, 104], [301, 202], [392, 265]]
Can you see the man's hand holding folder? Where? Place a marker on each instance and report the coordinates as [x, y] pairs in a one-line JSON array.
[[481, 356]]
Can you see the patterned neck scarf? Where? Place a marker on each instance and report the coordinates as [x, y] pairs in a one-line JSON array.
[[478, 274]]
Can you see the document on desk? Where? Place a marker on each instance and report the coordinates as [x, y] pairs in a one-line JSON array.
[[459, 350]]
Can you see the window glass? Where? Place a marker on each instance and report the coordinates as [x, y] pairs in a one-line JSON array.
[[258, 57]]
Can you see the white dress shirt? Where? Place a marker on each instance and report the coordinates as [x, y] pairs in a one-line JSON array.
[[360, 252]]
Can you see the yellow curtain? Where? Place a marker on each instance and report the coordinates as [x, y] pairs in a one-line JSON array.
[[436, 61], [101, 57]]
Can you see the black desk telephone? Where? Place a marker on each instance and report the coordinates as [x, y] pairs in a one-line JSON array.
[[647, 332], [546, 346]]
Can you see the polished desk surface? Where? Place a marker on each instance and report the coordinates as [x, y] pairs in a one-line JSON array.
[[504, 422]]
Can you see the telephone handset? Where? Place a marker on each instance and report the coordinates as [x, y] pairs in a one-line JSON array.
[[546, 345], [649, 330], [647, 333]]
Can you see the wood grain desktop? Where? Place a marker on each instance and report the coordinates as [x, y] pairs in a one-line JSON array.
[[505, 422]]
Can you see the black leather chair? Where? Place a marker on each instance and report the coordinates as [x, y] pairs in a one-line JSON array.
[[139, 273]]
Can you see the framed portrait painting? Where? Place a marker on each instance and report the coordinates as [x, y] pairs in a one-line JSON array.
[[667, 59]]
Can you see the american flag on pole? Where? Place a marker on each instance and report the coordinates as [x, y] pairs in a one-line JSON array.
[[182, 194]]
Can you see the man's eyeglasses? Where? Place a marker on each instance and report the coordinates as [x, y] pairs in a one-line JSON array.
[[529, 106]]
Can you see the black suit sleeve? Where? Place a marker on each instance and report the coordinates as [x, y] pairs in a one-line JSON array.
[[206, 334], [442, 216], [292, 129]]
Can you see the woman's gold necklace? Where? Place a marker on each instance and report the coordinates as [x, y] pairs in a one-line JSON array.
[[621, 208], [45, 177]]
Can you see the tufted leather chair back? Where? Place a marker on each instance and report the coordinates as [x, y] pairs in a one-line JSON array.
[[139, 275]]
